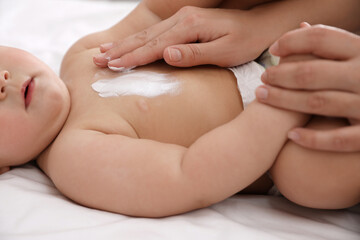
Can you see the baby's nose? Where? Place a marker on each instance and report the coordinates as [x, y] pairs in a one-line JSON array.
[[4, 76]]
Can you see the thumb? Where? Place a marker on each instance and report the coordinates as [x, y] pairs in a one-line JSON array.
[[220, 52], [184, 55], [193, 54]]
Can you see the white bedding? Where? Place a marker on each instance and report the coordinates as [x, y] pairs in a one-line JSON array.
[[31, 207]]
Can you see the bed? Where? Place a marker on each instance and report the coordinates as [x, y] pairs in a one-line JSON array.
[[32, 208]]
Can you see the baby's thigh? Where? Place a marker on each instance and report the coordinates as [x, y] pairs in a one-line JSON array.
[[318, 179]]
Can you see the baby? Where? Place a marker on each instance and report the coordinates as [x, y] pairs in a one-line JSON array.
[[177, 144]]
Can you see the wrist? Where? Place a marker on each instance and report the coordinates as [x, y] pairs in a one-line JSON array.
[[273, 115], [262, 31]]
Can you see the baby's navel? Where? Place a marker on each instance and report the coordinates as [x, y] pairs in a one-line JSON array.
[[142, 105]]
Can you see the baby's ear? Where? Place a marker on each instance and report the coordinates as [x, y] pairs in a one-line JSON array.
[[4, 169]]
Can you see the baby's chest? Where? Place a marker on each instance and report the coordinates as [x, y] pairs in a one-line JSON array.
[[152, 105]]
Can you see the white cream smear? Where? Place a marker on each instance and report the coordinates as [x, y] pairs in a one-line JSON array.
[[142, 83]]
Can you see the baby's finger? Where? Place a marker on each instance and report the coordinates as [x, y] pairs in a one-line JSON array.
[[312, 75], [326, 103], [322, 41], [345, 139]]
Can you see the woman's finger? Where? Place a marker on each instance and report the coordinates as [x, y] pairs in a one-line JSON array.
[[327, 103], [114, 50], [312, 75], [188, 30], [204, 53], [345, 139], [322, 41], [154, 49]]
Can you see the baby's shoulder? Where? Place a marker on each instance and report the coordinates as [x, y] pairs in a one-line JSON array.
[[65, 149], [70, 142], [64, 153], [78, 151], [78, 144]]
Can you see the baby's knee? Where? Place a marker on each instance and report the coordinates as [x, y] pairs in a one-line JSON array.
[[311, 180], [290, 182]]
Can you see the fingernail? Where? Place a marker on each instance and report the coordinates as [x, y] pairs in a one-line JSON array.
[[100, 55], [117, 62], [274, 49], [174, 54], [262, 93], [98, 58], [117, 68], [293, 136], [107, 45], [121, 69]]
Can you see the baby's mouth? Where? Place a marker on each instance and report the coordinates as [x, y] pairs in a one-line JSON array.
[[27, 91]]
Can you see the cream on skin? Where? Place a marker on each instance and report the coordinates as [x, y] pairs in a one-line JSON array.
[[134, 82]]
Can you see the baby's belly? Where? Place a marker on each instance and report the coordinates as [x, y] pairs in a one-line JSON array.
[[201, 105]]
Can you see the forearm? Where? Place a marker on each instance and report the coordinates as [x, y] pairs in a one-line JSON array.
[[150, 12], [231, 157], [146, 14], [278, 17], [166, 8], [138, 19]]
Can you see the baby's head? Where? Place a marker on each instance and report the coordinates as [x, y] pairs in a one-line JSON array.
[[34, 104]]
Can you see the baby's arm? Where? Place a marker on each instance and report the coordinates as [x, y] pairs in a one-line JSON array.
[[142, 177]]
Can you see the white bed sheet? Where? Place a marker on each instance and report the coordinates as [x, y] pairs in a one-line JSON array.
[[32, 208]]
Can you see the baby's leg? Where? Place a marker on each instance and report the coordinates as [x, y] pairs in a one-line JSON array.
[[318, 179]]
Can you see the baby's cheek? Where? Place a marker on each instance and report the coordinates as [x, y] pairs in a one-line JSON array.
[[19, 130]]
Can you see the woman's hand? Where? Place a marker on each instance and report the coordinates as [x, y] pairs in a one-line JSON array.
[[328, 84], [192, 36]]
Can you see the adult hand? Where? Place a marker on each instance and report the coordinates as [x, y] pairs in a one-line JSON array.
[[327, 85], [192, 36]]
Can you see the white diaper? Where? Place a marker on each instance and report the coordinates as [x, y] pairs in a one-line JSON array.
[[248, 79]]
